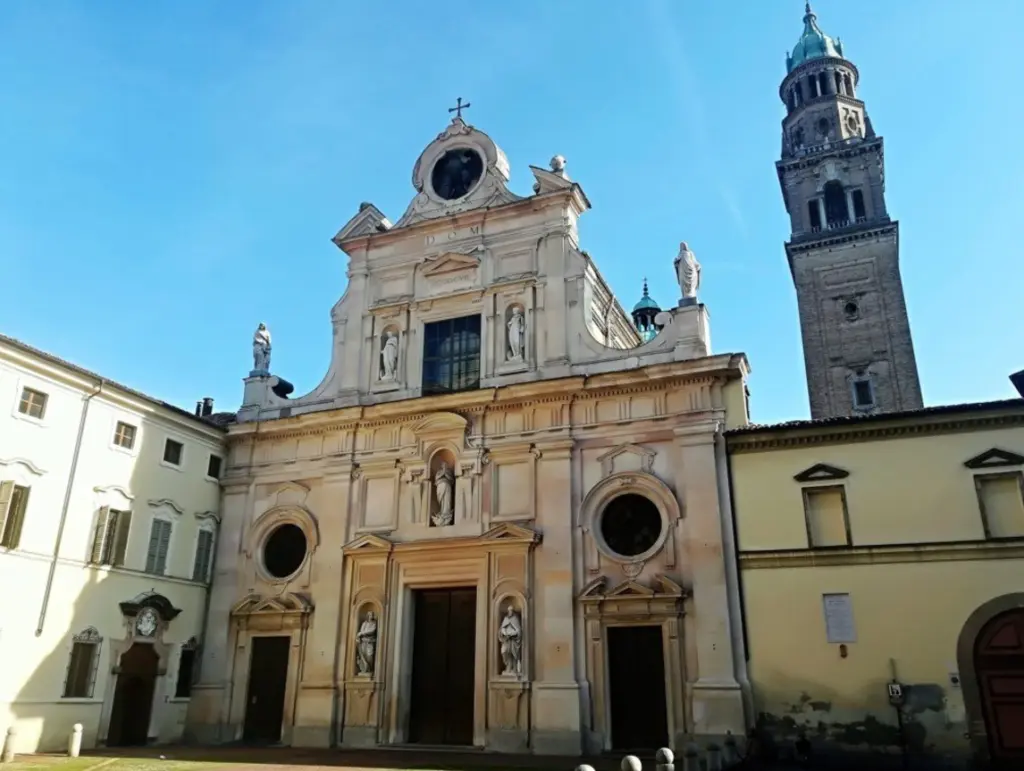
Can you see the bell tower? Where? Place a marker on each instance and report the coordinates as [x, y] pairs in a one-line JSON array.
[[843, 249]]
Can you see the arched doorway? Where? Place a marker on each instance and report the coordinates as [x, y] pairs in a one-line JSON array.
[[133, 696], [999, 669]]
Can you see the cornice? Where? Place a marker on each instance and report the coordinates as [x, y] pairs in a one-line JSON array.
[[951, 551], [847, 235], [821, 435], [835, 150]]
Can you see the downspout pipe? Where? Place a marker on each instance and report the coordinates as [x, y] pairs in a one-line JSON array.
[[86, 401]]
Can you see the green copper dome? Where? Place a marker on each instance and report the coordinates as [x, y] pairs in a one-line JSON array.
[[646, 303], [813, 43]]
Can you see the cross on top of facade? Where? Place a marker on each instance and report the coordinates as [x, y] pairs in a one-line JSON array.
[[459, 107]]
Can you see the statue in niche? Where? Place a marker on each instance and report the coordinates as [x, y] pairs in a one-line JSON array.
[[444, 488], [261, 350], [389, 357], [366, 644], [516, 334], [688, 274], [510, 639]]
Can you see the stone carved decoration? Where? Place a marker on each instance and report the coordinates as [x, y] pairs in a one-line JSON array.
[[146, 623], [389, 358], [261, 351], [688, 274], [444, 491], [516, 335], [510, 641], [366, 645]]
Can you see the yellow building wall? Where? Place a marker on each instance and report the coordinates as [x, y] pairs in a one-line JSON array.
[[910, 596]]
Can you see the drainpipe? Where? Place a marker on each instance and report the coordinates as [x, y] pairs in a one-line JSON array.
[[67, 503]]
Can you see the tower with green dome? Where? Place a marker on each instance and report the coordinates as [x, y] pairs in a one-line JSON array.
[[644, 313], [843, 249]]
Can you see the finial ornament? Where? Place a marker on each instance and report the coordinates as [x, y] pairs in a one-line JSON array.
[[458, 108]]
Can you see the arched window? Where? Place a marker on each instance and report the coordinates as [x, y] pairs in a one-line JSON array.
[[836, 212], [839, 83], [849, 84], [814, 214], [791, 100], [812, 87], [859, 212], [822, 84]]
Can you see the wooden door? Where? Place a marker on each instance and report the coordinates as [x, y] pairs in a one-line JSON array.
[[268, 677], [999, 665], [443, 667], [133, 696], [636, 688]]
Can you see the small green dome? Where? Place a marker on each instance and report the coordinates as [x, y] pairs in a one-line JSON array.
[[646, 303], [813, 43]]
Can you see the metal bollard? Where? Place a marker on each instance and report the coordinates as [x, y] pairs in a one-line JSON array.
[[691, 758], [730, 754], [714, 757], [665, 760], [631, 763], [8, 753], [75, 741], [584, 768]]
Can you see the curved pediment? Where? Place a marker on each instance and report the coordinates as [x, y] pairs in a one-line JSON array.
[[289, 603], [163, 606], [437, 425], [25, 463]]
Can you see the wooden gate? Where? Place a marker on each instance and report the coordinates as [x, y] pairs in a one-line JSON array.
[[999, 664]]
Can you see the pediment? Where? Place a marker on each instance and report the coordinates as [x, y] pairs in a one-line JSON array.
[[994, 458], [666, 585], [291, 493], [630, 588], [368, 221], [449, 262], [286, 604], [151, 599], [162, 503], [368, 543], [510, 531], [821, 472], [645, 458], [24, 463], [594, 590]]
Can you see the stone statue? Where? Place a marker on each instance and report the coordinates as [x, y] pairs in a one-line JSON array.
[[510, 637], [516, 334], [444, 484], [366, 644], [389, 358], [261, 350], [688, 274]]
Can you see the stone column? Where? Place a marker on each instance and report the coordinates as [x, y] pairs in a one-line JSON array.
[[717, 697], [317, 694], [207, 720], [556, 692], [821, 213]]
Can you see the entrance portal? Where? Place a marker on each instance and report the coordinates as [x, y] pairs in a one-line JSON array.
[[443, 664], [636, 685], [268, 676], [999, 665], [133, 696]]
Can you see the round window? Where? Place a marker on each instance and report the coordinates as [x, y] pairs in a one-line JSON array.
[[456, 172], [630, 525], [284, 550], [851, 309]]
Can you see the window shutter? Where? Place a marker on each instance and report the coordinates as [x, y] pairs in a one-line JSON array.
[[154, 546], [15, 519], [94, 661], [201, 568], [99, 536], [124, 524], [162, 546], [6, 491]]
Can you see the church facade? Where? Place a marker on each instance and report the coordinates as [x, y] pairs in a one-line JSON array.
[[502, 519]]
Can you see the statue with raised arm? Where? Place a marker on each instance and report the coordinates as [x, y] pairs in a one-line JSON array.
[[510, 638], [444, 488], [688, 274], [366, 644], [261, 350]]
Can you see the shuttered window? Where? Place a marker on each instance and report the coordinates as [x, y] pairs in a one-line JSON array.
[[204, 554], [110, 537], [80, 680], [13, 503], [159, 542]]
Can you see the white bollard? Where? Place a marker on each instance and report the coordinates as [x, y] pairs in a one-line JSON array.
[[584, 768], [8, 753], [665, 760], [75, 741], [631, 763]]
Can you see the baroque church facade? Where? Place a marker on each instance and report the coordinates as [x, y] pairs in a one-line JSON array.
[[500, 519], [503, 518]]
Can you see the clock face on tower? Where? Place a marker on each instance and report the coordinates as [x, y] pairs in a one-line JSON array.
[[455, 173]]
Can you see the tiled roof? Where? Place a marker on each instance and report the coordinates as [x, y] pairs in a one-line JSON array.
[[855, 420], [217, 420]]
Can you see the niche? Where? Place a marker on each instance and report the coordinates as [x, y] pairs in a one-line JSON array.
[[442, 488]]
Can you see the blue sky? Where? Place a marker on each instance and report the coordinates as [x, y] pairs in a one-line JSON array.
[[173, 171]]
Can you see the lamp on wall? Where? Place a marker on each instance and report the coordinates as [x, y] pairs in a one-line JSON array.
[[1017, 378]]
